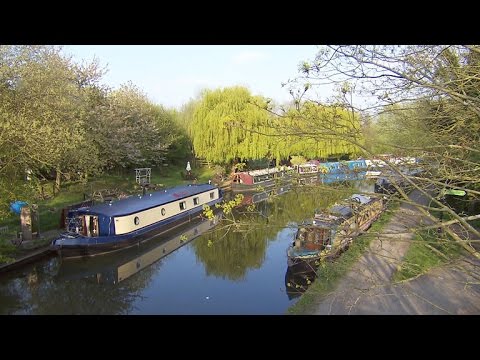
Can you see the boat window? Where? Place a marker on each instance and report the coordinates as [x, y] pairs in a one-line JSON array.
[[196, 201], [80, 227], [326, 239], [136, 220], [183, 205], [163, 211], [93, 226], [212, 195], [301, 233], [310, 236]]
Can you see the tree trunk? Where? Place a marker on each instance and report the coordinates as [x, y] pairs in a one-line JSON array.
[[58, 180]]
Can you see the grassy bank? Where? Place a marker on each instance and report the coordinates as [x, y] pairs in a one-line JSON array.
[[329, 273], [71, 193], [428, 250]]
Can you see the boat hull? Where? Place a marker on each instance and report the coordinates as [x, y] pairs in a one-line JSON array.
[[299, 265]]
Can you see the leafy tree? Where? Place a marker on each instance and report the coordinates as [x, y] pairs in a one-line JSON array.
[[316, 131], [221, 124], [182, 149], [56, 118], [134, 131], [43, 115], [230, 124], [428, 97]]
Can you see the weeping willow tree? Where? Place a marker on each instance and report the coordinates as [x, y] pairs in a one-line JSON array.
[[231, 123], [227, 125], [317, 131]]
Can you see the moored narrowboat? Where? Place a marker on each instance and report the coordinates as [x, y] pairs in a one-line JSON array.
[[256, 179], [115, 225], [117, 267], [332, 231], [390, 184]]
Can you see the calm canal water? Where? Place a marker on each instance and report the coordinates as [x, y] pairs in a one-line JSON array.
[[208, 267]]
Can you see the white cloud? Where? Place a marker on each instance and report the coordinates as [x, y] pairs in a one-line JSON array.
[[248, 57]]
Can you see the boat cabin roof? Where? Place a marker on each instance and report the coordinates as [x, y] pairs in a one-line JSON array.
[[262, 172], [338, 212], [362, 199], [138, 203], [344, 211], [308, 165]]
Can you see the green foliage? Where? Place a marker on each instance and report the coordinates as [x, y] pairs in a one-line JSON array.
[[208, 212], [231, 123], [58, 121], [225, 126], [227, 206], [7, 251], [428, 250], [241, 166], [316, 131], [297, 160], [43, 114], [134, 132]]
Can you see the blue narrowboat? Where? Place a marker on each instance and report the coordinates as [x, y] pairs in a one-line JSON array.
[[116, 267], [115, 225]]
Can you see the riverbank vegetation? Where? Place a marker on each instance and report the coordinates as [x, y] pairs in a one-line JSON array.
[[59, 122]]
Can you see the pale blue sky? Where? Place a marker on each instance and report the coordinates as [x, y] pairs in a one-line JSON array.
[[172, 74]]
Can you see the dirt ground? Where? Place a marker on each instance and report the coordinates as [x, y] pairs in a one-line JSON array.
[[367, 288]]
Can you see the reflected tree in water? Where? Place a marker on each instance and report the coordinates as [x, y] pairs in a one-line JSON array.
[[240, 242]]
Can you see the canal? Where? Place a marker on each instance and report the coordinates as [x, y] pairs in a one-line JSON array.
[[206, 267]]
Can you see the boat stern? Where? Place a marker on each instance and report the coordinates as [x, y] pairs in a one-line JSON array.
[[67, 242]]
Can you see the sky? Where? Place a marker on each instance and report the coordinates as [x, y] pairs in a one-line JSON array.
[[171, 75]]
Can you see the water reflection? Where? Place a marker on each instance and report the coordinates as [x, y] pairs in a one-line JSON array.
[[36, 290], [116, 267], [72, 286], [229, 254], [297, 283], [239, 267], [256, 197]]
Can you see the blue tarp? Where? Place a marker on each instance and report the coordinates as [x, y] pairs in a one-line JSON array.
[[16, 206]]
